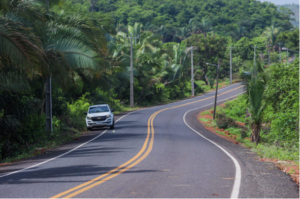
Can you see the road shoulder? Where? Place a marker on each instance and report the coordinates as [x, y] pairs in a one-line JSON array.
[[259, 179]]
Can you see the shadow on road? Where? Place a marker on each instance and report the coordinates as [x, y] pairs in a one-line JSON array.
[[62, 174]]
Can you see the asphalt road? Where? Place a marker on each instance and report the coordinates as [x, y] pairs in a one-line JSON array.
[[159, 152]]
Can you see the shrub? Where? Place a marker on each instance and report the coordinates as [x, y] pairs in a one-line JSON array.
[[76, 110], [243, 133], [211, 82], [223, 122]]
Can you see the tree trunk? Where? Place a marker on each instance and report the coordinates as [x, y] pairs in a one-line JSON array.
[[255, 133], [43, 97]]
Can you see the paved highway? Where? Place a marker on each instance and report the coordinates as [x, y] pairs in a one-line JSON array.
[[159, 152]]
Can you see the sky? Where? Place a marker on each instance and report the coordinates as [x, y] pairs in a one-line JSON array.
[[280, 2]]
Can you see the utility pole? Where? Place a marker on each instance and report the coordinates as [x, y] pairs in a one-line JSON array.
[[254, 69], [231, 63], [287, 56], [216, 95], [280, 52], [269, 62], [48, 97], [92, 5], [192, 72], [48, 103], [131, 71]]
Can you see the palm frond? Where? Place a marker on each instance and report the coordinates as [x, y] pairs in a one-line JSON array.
[[21, 46], [14, 82]]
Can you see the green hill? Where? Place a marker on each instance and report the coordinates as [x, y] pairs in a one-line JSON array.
[[295, 9], [225, 16]]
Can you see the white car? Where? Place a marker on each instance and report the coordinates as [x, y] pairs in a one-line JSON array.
[[100, 115]]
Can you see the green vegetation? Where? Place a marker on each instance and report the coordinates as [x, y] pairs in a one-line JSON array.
[[295, 12], [81, 46], [204, 120], [274, 120]]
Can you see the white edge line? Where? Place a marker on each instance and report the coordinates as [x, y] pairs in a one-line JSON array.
[[65, 152], [238, 175]]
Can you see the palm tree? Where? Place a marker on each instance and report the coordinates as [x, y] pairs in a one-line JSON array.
[[183, 33], [21, 52], [194, 26], [271, 33], [205, 26], [135, 31], [255, 94], [167, 33], [238, 32], [53, 45]]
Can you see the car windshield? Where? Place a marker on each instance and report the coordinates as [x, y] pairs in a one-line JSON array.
[[98, 109]]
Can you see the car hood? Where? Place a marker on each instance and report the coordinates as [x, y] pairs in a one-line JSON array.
[[98, 114]]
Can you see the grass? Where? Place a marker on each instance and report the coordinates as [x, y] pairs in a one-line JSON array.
[[205, 119], [264, 150], [31, 152], [233, 130], [221, 133], [205, 113], [271, 151]]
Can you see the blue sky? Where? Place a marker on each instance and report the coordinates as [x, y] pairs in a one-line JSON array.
[[280, 2]]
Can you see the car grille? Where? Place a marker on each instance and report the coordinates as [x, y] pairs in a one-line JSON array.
[[101, 118]]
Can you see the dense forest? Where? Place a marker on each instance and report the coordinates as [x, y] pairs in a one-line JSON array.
[[228, 18], [82, 46], [295, 15]]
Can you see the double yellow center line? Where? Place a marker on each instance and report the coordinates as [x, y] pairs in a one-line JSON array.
[[142, 154]]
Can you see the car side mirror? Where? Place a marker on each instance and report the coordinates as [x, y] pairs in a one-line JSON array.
[[85, 113], [112, 110]]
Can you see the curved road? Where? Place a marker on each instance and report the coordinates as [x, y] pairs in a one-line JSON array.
[[160, 152]]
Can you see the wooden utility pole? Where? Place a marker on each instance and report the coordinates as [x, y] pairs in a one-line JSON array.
[[269, 62], [287, 56], [216, 95], [192, 72], [280, 52], [231, 63]]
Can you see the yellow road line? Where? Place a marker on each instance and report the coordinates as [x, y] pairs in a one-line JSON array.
[[115, 172], [112, 171], [122, 170]]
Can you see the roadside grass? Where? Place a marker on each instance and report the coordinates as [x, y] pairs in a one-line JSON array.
[[205, 119], [205, 113], [288, 155], [220, 132], [271, 151], [264, 150], [55, 140]]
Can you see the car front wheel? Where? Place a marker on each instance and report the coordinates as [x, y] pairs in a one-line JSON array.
[[113, 125]]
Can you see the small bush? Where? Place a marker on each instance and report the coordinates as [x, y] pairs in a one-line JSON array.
[[211, 82], [223, 122], [243, 133], [76, 111]]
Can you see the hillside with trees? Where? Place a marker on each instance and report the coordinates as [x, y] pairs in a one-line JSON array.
[[295, 9], [82, 46], [227, 18]]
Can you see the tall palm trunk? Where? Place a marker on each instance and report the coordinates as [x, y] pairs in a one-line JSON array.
[[255, 133]]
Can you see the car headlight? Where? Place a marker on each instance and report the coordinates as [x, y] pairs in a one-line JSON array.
[[89, 118], [108, 116]]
